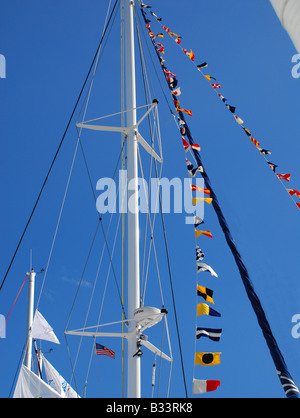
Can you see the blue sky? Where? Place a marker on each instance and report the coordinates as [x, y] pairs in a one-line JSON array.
[[48, 49]]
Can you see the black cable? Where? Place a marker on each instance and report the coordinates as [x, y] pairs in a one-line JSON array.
[[59, 147]]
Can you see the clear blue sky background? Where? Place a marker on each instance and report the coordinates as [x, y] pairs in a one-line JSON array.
[[48, 48]]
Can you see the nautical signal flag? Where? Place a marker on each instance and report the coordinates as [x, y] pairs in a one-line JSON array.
[[197, 221], [246, 130], [188, 112], [191, 55], [256, 143], [167, 72], [189, 165], [196, 147], [286, 177], [232, 110], [204, 309], [239, 120], [187, 146], [203, 65], [264, 151], [176, 92], [272, 166], [204, 386], [200, 189], [197, 200], [206, 233], [211, 333], [205, 267], [205, 293], [199, 254], [100, 350], [292, 192], [194, 171], [174, 34], [207, 359], [209, 77]]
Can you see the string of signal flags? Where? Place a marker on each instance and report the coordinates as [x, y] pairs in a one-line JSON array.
[[283, 178], [211, 359], [213, 334]]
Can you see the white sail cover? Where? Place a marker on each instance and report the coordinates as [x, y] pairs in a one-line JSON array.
[[57, 382], [41, 330], [30, 385]]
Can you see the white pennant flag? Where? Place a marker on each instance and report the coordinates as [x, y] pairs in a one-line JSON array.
[[205, 267], [41, 330]]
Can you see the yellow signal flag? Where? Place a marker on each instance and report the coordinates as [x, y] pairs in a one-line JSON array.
[[207, 359], [206, 293], [209, 77], [201, 199], [256, 143], [204, 309], [206, 233]]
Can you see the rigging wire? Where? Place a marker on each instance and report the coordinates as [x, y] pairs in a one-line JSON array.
[[101, 223], [59, 147], [103, 297], [169, 269], [85, 266]]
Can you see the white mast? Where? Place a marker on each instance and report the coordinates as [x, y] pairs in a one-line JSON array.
[[138, 319], [30, 308], [134, 364]]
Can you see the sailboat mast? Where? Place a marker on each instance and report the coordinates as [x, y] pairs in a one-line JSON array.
[[30, 308], [134, 366]]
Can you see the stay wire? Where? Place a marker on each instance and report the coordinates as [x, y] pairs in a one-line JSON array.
[[59, 148], [170, 275]]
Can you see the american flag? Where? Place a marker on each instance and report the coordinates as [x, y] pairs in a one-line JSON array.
[[104, 351]]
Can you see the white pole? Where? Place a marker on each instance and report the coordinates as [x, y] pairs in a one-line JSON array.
[[134, 366], [30, 308]]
